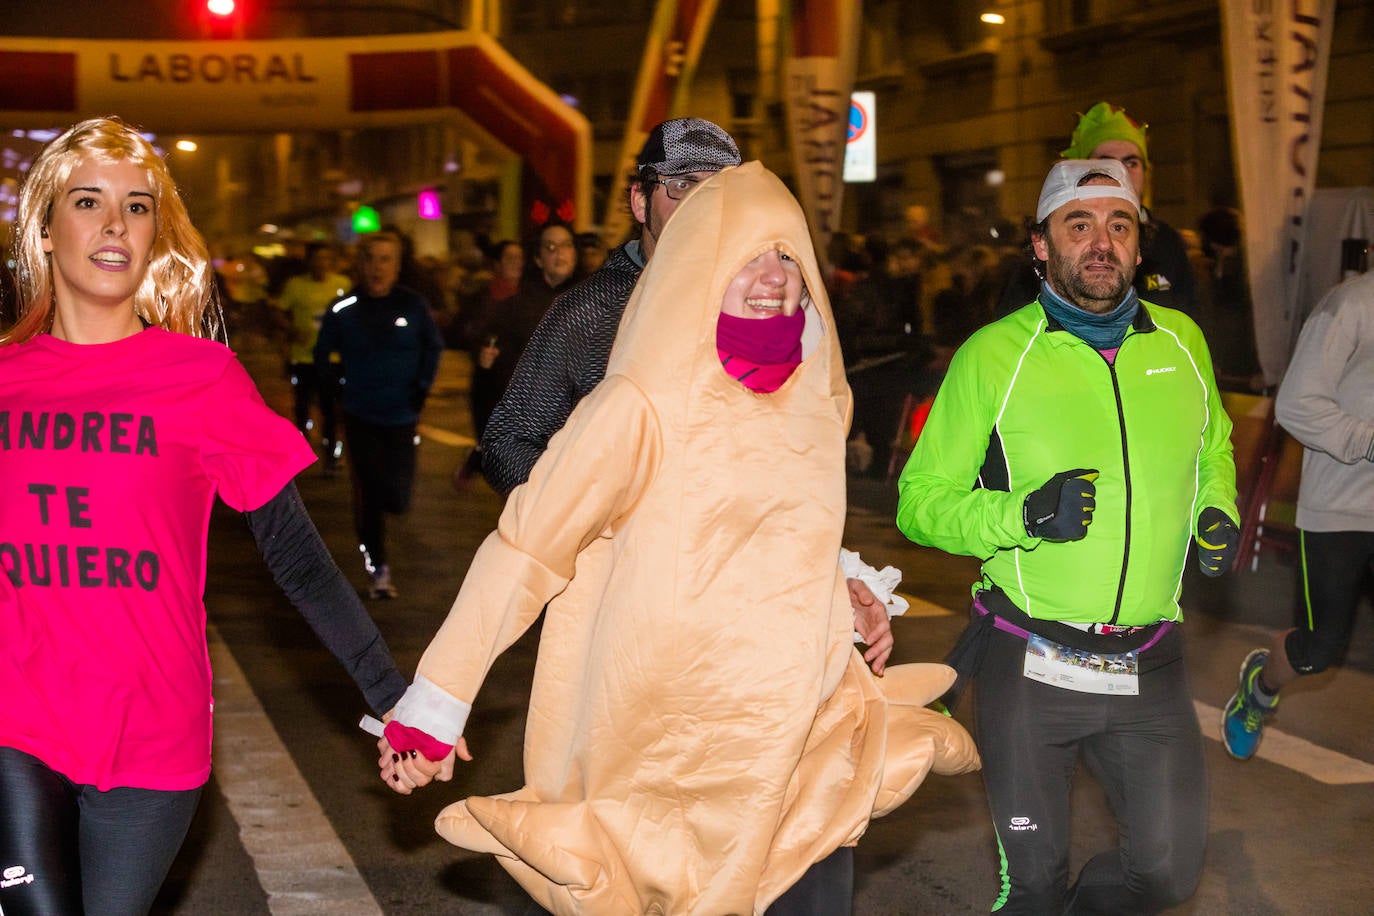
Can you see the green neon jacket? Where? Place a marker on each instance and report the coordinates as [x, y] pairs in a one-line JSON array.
[[1025, 399]]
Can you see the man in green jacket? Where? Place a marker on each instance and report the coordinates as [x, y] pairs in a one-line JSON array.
[[1076, 446]]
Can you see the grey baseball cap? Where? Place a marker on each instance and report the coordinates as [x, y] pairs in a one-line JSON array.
[[1065, 183], [684, 145]]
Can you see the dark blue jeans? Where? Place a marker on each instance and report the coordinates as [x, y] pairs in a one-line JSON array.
[[69, 848]]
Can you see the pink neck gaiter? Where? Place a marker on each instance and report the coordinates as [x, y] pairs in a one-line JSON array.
[[760, 352]]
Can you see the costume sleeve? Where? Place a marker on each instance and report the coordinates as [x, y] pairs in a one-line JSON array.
[[591, 476], [306, 572], [938, 504], [1216, 459], [1307, 405], [537, 402], [249, 450]]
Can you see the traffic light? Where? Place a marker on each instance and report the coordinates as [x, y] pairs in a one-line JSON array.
[[365, 220], [223, 18]]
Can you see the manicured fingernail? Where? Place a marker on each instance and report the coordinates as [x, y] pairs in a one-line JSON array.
[[414, 754], [395, 758], [395, 777]]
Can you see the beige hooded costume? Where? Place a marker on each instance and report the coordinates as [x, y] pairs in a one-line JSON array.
[[701, 728]]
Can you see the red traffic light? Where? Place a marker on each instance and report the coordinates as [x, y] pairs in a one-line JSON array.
[[224, 19]]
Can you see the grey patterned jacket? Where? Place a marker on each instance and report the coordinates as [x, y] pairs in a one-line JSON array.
[[564, 360]]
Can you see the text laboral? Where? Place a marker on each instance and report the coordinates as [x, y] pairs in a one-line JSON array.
[[210, 68]]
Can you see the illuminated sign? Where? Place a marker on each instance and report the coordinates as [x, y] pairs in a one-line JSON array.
[[365, 219], [429, 205], [210, 68], [861, 149]]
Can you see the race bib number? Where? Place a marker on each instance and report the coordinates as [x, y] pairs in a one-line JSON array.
[[1077, 669]]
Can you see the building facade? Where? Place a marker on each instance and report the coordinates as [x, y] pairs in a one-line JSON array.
[[969, 114]]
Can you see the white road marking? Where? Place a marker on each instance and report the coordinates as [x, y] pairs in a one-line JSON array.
[[444, 437], [1311, 760], [300, 862], [1321, 764], [923, 608]]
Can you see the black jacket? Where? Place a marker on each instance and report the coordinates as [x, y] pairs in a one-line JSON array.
[[564, 360]]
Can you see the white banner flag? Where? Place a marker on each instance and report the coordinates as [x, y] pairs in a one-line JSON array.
[[819, 75], [672, 48], [1276, 55]]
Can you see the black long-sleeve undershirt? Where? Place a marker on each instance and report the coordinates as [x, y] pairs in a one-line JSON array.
[[306, 572]]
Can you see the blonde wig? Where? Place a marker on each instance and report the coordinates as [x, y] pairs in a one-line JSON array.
[[178, 290]]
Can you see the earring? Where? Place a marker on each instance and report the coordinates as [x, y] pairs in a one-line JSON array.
[[43, 232]]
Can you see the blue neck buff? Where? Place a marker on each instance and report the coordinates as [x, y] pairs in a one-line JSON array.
[[1101, 332]]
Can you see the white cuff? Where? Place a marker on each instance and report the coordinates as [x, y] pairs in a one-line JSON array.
[[433, 710], [883, 583]]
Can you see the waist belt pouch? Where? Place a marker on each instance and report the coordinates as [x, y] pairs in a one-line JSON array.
[[993, 610]]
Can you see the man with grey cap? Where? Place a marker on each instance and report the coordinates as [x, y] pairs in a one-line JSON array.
[[566, 357], [1076, 446]]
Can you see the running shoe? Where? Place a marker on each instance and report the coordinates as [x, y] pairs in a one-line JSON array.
[[1242, 721], [333, 457]]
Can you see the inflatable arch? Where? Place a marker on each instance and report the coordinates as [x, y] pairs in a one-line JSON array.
[[304, 84]]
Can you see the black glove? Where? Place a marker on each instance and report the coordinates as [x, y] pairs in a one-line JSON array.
[[1218, 539], [1062, 509]]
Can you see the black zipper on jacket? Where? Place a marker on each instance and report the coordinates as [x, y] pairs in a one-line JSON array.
[[1126, 472]]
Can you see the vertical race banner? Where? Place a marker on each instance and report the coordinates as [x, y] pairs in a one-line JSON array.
[[817, 79], [1277, 52], [671, 51]]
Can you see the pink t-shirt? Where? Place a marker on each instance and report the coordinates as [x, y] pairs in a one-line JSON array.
[[111, 456]]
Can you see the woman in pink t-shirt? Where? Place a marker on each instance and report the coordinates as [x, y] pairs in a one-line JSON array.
[[121, 420]]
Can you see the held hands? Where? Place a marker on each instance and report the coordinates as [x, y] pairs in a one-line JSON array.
[[406, 771], [1062, 509], [415, 759], [1218, 539]]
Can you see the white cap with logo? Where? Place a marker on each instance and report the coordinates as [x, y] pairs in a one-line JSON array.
[[1070, 179]]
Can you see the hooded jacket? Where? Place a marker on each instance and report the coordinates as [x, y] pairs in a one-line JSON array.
[[701, 728]]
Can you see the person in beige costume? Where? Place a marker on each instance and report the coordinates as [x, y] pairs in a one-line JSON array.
[[701, 728]]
